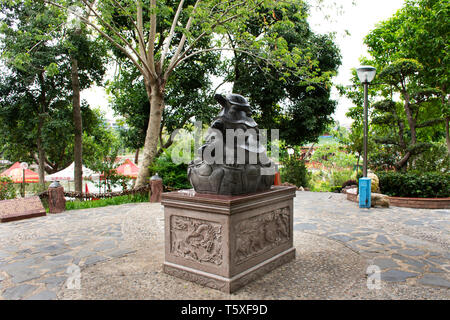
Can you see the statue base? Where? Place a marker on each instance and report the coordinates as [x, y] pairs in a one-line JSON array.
[[225, 242]]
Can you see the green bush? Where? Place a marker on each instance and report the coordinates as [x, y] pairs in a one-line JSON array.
[[294, 171], [7, 190], [436, 159], [339, 177], [415, 184], [129, 198], [174, 176]]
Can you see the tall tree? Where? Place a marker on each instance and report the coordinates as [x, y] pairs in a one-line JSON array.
[[402, 77], [420, 30], [410, 94], [282, 99], [36, 50], [35, 66], [189, 96], [164, 35], [84, 54]]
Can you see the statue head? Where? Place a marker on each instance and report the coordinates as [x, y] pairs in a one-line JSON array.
[[235, 109]]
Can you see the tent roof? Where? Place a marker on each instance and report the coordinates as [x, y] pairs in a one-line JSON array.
[[68, 174], [128, 168], [15, 172]]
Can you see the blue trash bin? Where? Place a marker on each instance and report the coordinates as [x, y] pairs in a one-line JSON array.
[[364, 192]]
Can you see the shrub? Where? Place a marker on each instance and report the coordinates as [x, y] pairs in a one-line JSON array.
[[129, 198], [7, 190], [436, 159], [174, 176], [415, 184], [350, 182], [294, 171], [339, 177]]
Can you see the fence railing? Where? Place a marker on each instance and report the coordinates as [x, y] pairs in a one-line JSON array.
[[90, 196]]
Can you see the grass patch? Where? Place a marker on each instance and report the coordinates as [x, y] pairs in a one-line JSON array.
[[130, 198]]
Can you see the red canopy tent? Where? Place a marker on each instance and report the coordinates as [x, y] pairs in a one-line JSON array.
[[15, 172], [128, 168]]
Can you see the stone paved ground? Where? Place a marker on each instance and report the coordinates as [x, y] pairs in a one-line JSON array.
[[117, 253]]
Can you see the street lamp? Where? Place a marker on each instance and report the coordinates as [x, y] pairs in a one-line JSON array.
[[365, 75]]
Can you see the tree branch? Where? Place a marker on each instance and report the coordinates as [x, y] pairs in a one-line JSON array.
[[151, 38], [115, 43], [140, 30], [171, 33], [176, 60], [183, 39], [144, 62], [429, 122]]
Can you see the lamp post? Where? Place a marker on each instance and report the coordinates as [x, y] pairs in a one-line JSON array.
[[365, 75]]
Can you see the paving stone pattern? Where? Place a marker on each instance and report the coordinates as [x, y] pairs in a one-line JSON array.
[[39, 257]]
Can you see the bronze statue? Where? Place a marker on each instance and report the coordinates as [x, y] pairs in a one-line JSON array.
[[233, 160]]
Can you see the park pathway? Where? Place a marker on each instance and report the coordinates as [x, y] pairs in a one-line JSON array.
[[116, 252]]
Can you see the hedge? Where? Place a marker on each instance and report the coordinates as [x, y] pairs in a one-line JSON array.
[[415, 184]]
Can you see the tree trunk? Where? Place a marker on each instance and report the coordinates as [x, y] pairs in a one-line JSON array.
[[357, 166], [136, 156], [401, 165], [447, 133], [41, 154], [411, 121], [152, 136], [41, 151], [77, 121]]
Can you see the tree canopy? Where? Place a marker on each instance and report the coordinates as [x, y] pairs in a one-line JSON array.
[[36, 88], [409, 96]]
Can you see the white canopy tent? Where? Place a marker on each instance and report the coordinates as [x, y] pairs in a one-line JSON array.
[[68, 174]]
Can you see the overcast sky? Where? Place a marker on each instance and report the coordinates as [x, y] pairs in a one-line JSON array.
[[357, 19]]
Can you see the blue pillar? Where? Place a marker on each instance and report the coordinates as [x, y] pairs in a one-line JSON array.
[[364, 192]]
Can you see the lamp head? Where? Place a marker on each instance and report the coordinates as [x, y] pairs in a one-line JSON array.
[[366, 74]]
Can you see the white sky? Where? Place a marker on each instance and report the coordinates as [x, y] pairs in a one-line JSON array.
[[358, 19]]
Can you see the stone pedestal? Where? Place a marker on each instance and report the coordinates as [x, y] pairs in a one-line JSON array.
[[156, 190], [224, 242], [56, 200]]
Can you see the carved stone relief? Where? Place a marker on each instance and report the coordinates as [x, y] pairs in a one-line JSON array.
[[196, 278], [196, 240], [261, 233]]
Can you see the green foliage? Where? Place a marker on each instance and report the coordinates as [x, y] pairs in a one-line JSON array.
[[320, 181], [409, 51], [36, 82], [338, 168], [294, 171], [334, 156], [188, 94], [437, 159], [174, 176], [340, 177], [295, 96], [330, 180], [415, 184], [107, 166], [419, 31], [7, 190], [129, 198]]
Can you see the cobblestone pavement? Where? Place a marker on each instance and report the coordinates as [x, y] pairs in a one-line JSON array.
[[117, 252]]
